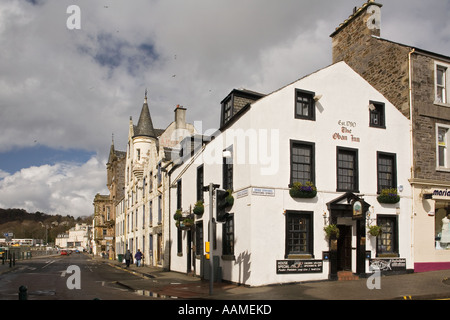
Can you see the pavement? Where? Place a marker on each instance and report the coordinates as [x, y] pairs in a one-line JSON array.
[[156, 282]]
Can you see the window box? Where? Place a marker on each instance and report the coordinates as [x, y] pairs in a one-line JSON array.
[[388, 196], [298, 190]]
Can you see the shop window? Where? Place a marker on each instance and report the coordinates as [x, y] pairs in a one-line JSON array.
[[304, 105], [299, 238], [387, 241], [442, 226]]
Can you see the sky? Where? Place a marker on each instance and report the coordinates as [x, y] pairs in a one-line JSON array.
[[66, 92]]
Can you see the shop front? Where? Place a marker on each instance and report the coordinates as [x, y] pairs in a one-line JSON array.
[[432, 228]]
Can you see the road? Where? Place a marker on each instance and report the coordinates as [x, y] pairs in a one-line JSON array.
[[51, 279]]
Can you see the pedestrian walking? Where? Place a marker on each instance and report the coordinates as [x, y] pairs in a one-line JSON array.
[[128, 257], [138, 257]]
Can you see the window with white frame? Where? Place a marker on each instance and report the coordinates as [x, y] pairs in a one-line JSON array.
[[442, 144], [441, 83]]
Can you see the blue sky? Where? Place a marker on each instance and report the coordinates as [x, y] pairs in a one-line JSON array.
[[63, 93], [15, 160]]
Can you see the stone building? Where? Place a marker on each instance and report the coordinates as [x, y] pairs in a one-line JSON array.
[[103, 226], [115, 169], [416, 82], [142, 214]]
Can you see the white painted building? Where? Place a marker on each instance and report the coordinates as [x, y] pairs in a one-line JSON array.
[[330, 128], [77, 237]]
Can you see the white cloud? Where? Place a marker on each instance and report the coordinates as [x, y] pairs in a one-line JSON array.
[[63, 188]]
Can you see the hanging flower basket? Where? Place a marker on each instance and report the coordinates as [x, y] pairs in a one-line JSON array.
[[298, 190], [186, 223], [332, 231], [388, 196], [374, 231], [177, 216], [199, 208]]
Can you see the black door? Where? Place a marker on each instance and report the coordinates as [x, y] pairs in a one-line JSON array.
[[344, 248]]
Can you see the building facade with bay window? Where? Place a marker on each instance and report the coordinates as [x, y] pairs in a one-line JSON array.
[[325, 153]]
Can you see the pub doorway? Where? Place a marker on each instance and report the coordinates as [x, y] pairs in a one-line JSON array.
[[348, 213], [344, 248]]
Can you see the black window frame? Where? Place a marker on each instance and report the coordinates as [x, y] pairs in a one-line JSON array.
[[307, 145], [393, 158], [394, 252], [228, 236], [311, 104], [354, 152], [380, 111], [179, 195], [200, 182], [227, 171], [227, 110], [309, 238], [199, 238]]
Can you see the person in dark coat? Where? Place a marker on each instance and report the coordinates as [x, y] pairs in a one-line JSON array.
[[138, 257], [128, 257]]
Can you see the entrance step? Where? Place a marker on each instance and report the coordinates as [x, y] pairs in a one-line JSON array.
[[347, 276]]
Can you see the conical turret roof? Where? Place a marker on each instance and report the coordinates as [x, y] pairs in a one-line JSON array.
[[145, 125]]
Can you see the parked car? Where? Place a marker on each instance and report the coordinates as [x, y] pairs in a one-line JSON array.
[[64, 252]]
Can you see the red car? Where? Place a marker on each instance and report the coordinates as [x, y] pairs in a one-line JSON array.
[[64, 252]]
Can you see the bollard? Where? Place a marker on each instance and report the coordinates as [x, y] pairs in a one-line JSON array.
[[23, 293]]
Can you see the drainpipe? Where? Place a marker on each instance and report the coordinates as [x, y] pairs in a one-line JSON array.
[[411, 111]]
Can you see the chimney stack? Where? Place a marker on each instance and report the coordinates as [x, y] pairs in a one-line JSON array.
[[180, 117]]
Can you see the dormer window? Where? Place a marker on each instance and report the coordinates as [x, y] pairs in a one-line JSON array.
[[304, 105], [227, 110], [377, 114]]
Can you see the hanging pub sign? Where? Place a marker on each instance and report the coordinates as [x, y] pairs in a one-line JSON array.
[[299, 266], [357, 209]]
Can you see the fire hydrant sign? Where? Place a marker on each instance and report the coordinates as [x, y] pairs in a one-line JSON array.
[[299, 266]]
